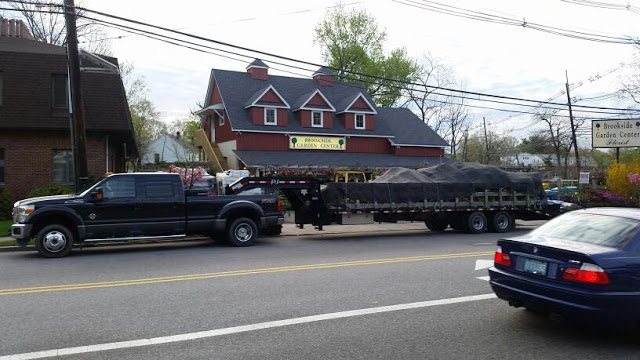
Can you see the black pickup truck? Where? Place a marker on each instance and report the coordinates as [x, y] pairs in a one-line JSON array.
[[139, 206]]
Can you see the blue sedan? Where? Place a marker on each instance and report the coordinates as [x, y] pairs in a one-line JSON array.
[[583, 264]]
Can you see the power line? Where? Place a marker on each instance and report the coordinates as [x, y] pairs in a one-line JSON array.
[[319, 65], [492, 18], [160, 38]]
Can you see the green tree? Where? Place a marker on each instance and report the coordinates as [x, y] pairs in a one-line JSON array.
[[351, 42], [147, 125], [538, 143]]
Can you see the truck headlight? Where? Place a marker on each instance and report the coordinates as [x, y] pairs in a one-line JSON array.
[[24, 211]]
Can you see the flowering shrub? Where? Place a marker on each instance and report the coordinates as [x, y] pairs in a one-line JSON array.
[[619, 180], [190, 175], [609, 196]]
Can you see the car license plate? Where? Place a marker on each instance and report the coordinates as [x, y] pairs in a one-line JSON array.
[[535, 267]]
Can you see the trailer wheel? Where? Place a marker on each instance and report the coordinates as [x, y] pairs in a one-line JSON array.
[[272, 230], [476, 222], [458, 222], [437, 224], [54, 241], [242, 232], [501, 222]]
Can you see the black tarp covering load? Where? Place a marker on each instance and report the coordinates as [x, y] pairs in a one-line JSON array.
[[440, 182]]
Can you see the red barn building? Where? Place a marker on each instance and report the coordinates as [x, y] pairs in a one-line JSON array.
[[259, 121]]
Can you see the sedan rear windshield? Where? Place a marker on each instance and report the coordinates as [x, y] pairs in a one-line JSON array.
[[595, 229]]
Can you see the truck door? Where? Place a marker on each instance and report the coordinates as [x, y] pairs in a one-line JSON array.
[[115, 214], [161, 209]]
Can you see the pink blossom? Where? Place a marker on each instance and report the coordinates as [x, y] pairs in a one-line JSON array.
[[634, 178]]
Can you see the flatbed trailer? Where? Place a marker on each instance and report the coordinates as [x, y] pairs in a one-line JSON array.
[[490, 210]]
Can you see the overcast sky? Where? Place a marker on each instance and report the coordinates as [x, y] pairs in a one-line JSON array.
[[487, 57]]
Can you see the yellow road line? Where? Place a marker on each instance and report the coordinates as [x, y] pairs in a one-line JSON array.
[[68, 287]]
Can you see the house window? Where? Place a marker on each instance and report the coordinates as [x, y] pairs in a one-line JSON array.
[[1, 166], [360, 121], [63, 166], [59, 93], [316, 119], [156, 158], [270, 116]]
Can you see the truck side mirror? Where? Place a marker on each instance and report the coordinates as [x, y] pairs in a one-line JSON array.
[[96, 195]]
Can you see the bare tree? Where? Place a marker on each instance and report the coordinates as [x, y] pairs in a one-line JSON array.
[[454, 123], [424, 97], [631, 85], [560, 135], [50, 27]]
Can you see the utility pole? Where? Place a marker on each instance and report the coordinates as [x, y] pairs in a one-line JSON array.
[[78, 131], [573, 128], [486, 141]]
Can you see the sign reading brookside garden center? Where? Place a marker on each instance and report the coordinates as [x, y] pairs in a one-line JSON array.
[[615, 133], [316, 143]]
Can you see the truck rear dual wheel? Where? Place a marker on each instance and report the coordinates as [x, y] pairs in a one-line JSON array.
[[54, 241], [242, 232], [475, 222], [501, 222]]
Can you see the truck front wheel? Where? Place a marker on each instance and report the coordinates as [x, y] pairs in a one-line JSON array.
[[54, 241], [242, 232]]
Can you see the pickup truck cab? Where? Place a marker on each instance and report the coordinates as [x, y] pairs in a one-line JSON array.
[[137, 206]]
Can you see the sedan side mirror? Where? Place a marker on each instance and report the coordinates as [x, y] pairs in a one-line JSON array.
[[96, 195]]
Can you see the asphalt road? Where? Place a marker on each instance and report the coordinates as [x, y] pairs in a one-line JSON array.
[[388, 296]]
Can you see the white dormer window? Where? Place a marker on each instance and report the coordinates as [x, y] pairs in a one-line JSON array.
[[270, 116], [316, 119], [359, 120]]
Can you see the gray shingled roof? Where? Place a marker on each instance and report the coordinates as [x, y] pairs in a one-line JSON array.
[[413, 131], [333, 160], [237, 88], [258, 62], [324, 71]]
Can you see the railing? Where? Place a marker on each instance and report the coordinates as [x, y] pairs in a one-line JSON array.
[[203, 141]]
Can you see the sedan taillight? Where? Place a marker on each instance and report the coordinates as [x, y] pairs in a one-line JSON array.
[[501, 258], [587, 273]]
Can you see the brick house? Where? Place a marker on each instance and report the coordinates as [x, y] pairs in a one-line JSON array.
[[260, 121], [35, 139]]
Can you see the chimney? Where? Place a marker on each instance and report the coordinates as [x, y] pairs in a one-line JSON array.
[[258, 70], [14, 28], [178, 134], [324, 76]]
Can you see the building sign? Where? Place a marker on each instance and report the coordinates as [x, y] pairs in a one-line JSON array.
[[316, 143], [584, 178], [615, 133]]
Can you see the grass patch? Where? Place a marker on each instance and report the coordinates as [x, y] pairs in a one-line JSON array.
[[5, 226], [14, 243]]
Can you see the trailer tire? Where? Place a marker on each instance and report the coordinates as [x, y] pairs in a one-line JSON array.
[[242, 232], [501, 222], [54, 241], [272, 231], [458, 222], [475, 222], [434, 224]]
